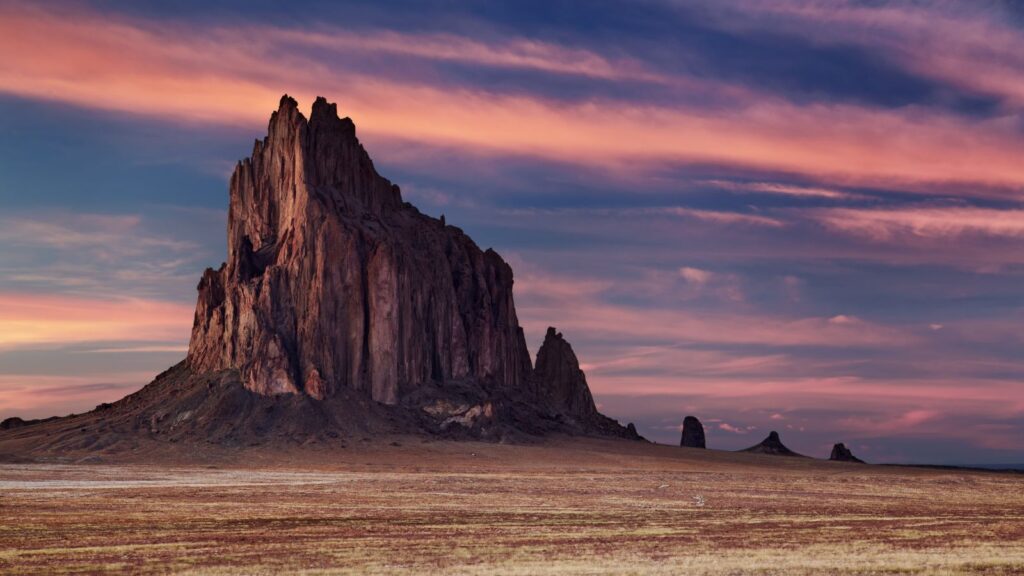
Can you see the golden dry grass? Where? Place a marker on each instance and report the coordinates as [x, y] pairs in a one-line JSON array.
[[571, 507]]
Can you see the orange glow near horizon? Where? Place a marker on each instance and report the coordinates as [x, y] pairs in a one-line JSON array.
[[36, 320]]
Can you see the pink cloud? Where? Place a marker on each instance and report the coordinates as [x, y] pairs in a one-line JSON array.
[[39, 396], [784, 189], [546, 298], [971, 45], [236, 76], [502, 53], [730, 428], [719, 217], [36, 319], [695, 275], [883, 224]]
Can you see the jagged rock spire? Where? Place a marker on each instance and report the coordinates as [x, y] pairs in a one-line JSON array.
[[561, 385], [333, 282]]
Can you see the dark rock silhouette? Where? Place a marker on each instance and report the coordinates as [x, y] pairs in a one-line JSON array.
[[772, 445], [342, 310], [13, 422], [841, 453], [693, 433], [561, 385]]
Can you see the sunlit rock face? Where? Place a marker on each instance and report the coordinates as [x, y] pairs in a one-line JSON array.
[[332, 281]]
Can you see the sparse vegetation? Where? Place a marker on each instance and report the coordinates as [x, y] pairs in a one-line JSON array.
[[573, 508]]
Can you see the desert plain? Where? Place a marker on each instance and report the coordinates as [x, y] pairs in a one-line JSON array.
[[566, 506]]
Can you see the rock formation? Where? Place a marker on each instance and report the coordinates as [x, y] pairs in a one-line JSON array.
[[772, 445], [693, 433], [333, 282], [13, 422], [841, 453], [343, 310], [561, 385]]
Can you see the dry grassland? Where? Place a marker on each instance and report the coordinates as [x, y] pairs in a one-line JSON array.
[[571, 507]]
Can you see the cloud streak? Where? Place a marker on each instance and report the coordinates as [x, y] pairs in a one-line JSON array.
[[46, 320], [194, 75], [927, 222]]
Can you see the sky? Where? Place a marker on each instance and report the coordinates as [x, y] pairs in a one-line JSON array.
[[775, 215]]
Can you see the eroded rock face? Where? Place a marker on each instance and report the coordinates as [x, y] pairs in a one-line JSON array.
[[560, 384], [333, 282], [693, 433], [841, 453]]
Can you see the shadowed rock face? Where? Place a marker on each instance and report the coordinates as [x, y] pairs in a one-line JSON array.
[[561, 385], [772, 445], [693, 433], [12, 423], [841, 453], [333, 282]]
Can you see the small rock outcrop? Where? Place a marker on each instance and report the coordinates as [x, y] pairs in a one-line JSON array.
[[840, 453], [12, 423], [560, 384], [772, 445], [693, 433]]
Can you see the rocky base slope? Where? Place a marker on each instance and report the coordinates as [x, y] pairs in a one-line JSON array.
[[183, 408]]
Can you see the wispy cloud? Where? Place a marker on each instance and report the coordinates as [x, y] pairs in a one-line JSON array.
[[721, 217], [578, 306], [32, 320], [93, 254], [970, 45], [784, 189], [883, 224], [521, 53], [191, 74], [40, 396]]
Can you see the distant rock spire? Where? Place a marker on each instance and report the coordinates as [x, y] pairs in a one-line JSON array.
[[561, 385], [840, 453], [693, 433]]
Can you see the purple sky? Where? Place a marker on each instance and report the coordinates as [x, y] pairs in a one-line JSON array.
[[801, 216]]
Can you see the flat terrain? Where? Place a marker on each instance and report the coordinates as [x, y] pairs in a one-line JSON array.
[[568, 507]]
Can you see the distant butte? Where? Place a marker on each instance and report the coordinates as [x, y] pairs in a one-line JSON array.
[[693, 433], [772, 445], [840, 453]]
